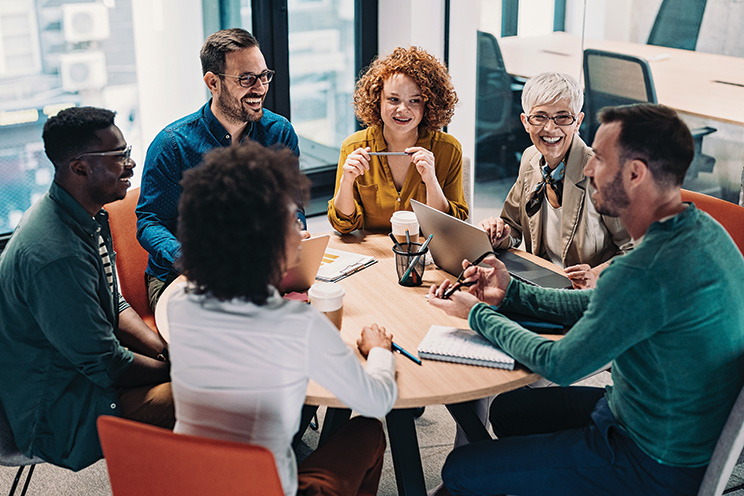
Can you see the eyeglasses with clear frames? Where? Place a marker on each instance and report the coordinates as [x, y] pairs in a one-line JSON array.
[[124, 155], [248, 80], [559, 120]]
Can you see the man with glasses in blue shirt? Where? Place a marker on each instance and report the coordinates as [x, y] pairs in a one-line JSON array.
[[237, 76], [71, 347]]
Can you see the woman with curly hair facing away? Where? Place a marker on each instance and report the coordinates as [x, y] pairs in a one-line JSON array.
[[404, 99], [242, 355]]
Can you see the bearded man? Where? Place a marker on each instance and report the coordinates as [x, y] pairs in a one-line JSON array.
[[237, 76]]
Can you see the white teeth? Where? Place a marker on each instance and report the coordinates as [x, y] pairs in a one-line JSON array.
[[551, 139]]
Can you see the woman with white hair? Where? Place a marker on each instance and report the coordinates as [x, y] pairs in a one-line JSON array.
[[549, 206]]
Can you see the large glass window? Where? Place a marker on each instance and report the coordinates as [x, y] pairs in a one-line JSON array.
[[53, 55], [695, 57], [321, 60]]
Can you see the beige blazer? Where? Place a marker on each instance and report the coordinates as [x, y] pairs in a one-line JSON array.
[[586, 236]]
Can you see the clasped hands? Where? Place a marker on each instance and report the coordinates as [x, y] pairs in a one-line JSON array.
[[486, 284]]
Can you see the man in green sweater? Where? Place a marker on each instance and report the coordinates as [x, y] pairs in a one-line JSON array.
[[667, 315]]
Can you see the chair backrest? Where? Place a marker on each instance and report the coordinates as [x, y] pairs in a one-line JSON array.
[[131, 258], [145, 460], [494, 88], [677, 24], [729, 215], [726, 453], [614, 79]]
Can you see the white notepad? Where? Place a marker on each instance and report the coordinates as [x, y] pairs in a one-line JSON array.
[[450, 344], [338, 264]]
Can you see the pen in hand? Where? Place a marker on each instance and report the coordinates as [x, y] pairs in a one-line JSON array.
[[403, 352]]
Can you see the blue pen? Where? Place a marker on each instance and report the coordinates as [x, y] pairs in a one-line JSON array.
[[416, 258], [405, 353]]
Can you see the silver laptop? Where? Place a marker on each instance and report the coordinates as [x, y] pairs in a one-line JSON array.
[[455, 240], [301, 276]]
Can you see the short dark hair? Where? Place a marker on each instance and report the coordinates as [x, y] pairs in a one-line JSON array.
[[217, 44], [73, 131], [233, 217], [655, 134]]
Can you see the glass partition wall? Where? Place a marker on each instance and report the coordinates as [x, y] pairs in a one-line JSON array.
[[693, 49]]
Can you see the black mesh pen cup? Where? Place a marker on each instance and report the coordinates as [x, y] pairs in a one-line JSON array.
[[410, 263]]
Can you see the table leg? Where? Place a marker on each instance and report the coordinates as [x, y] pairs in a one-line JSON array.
[[409, 474], [308, 411], [467, 418], [334, 418]]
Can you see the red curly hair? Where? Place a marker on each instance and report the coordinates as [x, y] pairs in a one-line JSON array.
[[430, 75]]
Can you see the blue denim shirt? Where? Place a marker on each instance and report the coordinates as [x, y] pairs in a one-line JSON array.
[[176, 149]]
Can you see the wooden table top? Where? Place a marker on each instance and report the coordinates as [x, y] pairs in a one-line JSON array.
[[373, 295], [697, 83]]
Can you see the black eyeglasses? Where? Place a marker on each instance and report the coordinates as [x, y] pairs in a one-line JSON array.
[[560, 119], [123, 155], [248, 80]]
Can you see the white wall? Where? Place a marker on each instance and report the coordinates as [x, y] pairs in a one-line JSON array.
[[412, 22], [463, 67], [168, 35], [421, 23]]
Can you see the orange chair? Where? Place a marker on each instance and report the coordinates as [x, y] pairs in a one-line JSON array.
[[729, 215], [131, 258], [145, 460]]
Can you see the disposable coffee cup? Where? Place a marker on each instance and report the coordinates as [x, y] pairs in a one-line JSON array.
[[328, 297], [402, 220]]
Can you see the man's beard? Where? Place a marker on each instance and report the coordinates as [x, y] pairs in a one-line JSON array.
[[233, 110], [615, 197]]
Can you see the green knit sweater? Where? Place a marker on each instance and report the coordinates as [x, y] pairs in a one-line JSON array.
[[669, 316]]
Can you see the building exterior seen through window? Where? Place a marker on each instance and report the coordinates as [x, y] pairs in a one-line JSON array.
[[54, 55]]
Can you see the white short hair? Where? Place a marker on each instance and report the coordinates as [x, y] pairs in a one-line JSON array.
[[551, 87]]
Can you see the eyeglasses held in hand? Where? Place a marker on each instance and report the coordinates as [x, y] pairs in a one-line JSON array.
[[248, 80], [123, 155], [559, 120], [459, 281]]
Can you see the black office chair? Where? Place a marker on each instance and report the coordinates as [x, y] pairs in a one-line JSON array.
[[499, 133], [618, 79], [677, 24], [11, 457]]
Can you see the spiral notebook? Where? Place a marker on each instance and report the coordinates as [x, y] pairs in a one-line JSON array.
[[450, 344]]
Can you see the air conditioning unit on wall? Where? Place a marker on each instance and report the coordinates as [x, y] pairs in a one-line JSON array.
[[83, 70], [85, 22]]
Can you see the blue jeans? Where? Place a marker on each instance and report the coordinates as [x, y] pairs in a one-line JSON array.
[[596, 458]]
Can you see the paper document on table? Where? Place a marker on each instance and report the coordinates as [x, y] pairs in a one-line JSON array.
[[337, 264], [450, 344]]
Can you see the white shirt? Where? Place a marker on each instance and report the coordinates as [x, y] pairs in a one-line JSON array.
[[239, 371]]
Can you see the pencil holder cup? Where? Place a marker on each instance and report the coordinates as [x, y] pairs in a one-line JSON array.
[[410, 263]]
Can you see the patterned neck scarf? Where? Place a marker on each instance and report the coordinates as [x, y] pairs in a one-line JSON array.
[[554, 179]]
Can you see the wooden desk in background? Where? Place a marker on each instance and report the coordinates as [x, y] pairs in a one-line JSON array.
[[374, 296], [702, 84]]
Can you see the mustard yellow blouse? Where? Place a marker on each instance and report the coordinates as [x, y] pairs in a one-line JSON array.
[[375, 194]]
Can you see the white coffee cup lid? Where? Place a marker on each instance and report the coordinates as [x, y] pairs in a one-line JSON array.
[[404, 217], [326, 296]]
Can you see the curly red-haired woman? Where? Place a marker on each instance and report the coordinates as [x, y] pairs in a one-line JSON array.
[[404, 99]]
